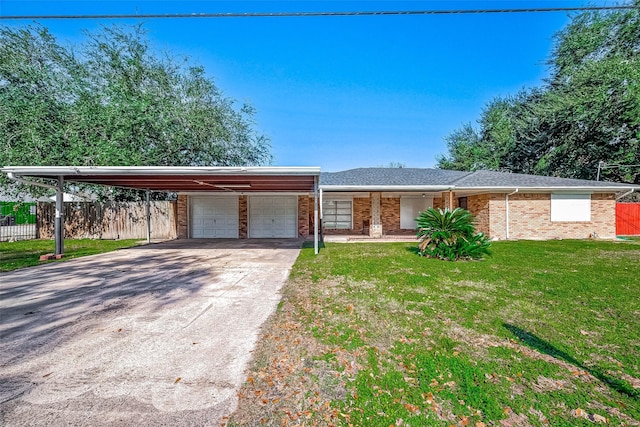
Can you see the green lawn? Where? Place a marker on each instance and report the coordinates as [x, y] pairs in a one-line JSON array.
[[26, 253], [540, 333]]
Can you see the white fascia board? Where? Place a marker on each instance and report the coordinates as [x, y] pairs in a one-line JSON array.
[[587, 189], [162, 170], [242, 193], [386, 188]]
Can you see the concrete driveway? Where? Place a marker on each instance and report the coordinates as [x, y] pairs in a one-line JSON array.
[[153, 335]]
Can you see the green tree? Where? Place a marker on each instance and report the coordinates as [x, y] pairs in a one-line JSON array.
[[588, 111], [115, 101]]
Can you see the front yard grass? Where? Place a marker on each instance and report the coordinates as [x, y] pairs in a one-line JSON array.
[[540, 333], [26, 253]]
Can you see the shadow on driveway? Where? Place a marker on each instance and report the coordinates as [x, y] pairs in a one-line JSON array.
[[147, 335]]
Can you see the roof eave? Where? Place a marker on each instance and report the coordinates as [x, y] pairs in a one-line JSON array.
[[385, 187], [160, 170], [520, 188]]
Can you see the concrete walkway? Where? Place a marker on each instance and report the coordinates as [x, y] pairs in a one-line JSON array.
[[147, 336]]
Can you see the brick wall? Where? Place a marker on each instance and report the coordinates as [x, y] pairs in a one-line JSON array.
[[390, 215], [243, 217], [183, 217], [497, 216], [437, 203], [479, 207], [530, 218], [303, 215], [361, 214]]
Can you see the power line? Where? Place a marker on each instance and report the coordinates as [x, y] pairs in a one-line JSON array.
[[316, 14]]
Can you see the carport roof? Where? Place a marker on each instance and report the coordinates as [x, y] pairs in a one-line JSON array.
[[181, 179]]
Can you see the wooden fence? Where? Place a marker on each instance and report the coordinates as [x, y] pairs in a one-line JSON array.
[[126, 220], [628, 219]]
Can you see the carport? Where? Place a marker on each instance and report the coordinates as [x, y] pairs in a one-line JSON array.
[[269, 187]]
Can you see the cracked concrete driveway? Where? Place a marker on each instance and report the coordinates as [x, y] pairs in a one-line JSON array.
[[152, 335]]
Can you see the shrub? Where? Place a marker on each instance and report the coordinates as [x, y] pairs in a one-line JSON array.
[[450, 235]]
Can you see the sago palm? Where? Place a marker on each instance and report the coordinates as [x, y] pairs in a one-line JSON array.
[[450, 235]]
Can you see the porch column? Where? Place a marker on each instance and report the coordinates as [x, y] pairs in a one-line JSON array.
[[375, 229], [59, 219]]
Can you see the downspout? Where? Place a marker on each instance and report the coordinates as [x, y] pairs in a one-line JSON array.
[[626, 194], [506, 207]]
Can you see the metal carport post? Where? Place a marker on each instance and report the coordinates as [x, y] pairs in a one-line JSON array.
[[59, 220], [315, 215]]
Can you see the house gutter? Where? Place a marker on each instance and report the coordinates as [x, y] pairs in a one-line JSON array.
[[387, 188], [506, 206]]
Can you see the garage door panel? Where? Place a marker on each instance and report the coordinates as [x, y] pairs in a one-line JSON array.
[[273, 216], [214, 217]]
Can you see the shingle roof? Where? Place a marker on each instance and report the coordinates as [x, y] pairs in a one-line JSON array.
[[503, 179], [398, 177], [391, 176]]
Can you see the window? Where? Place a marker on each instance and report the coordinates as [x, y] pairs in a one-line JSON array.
[[337, 214], [571, 207]]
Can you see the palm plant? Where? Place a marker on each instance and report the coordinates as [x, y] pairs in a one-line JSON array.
[[451, 235]]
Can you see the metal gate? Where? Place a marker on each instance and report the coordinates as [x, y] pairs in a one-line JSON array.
[[17, 221]]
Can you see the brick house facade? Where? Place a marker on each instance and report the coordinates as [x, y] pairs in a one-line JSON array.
[[505, 206], [529, 216]]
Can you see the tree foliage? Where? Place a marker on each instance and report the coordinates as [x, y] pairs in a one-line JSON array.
[[586, 112], [115, 101], [450, 235]]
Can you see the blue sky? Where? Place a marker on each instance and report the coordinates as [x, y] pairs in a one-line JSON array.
[[345, 92]]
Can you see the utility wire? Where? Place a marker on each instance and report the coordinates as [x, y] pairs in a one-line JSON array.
[[317, 14]]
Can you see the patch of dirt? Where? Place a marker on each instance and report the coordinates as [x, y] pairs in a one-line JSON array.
[[515, 420], [544, 384], [615, 412], [616, 254], [288, 382], [635, 382]]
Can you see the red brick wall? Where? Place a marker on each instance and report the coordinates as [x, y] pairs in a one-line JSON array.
[[303, 215], [530, 218], [183, 217], [479, 207], [390, 215], [437, 202], [243, 217]]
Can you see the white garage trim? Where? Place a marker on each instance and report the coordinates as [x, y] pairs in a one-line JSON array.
[[213, 217], [273, 216]]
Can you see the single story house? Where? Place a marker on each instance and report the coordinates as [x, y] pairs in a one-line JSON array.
[[290, 202], [386, 201]]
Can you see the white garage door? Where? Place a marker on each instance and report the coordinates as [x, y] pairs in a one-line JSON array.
[[273, 216], [214, 217]]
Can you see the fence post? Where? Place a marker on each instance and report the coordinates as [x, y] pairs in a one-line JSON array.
[[148, 219]]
